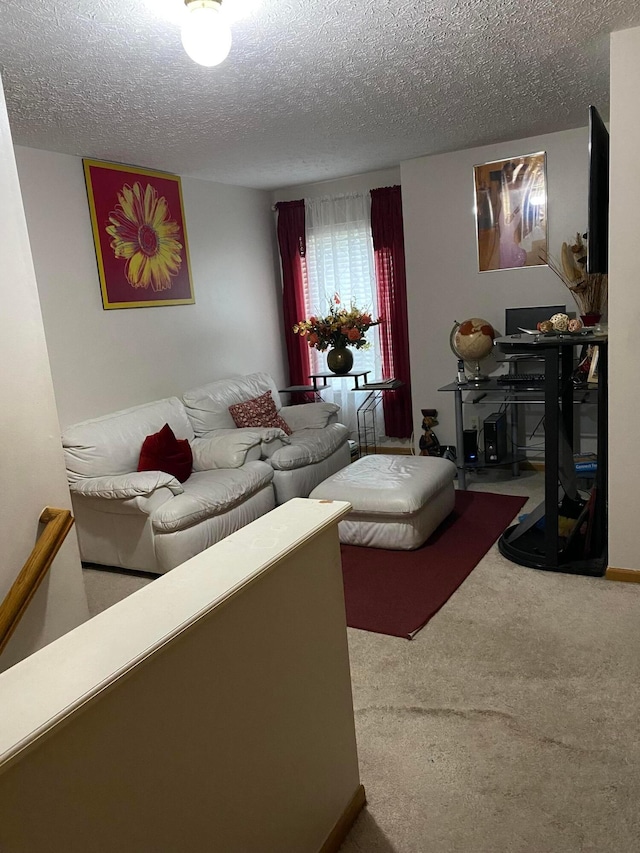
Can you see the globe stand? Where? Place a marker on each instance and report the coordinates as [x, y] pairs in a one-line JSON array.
[[477, 378]]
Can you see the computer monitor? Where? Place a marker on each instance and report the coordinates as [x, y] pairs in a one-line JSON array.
[[528, 318]]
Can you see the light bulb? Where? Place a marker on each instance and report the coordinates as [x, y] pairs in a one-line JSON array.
[[206, 36]]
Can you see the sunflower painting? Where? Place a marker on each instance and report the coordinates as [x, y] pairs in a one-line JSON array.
[[139, 235]]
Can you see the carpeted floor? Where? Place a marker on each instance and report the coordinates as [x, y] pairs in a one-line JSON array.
[[509, 725], [397, 592]]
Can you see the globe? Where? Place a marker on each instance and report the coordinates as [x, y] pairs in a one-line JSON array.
[[472, 341]]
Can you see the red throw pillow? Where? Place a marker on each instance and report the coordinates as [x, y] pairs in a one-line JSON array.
[[259, 412], [162, 451]]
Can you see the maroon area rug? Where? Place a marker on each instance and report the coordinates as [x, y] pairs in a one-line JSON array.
[[397, 592]]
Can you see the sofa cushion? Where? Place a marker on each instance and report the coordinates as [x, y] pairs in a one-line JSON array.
[[162, 451], [232, 448], [111, 444], [309, 415], [208, 405], [258, 412], [209, 493], [308, 446], [126, 486]]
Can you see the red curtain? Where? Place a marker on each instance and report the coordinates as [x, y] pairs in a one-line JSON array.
[[292, 243], [388, 246]]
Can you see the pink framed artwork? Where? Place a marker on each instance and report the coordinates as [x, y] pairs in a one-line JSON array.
[[139, 235], [511, 212]]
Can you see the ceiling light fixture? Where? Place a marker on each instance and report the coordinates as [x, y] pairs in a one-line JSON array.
[[206, 36]]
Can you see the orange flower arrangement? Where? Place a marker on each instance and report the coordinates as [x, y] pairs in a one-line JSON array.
[[341, 327]]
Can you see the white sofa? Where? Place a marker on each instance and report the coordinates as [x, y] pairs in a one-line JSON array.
[[149, 521], [317, 448]]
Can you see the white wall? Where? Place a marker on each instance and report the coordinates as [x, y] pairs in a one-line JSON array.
[[32, 468], [624, 299], [443, 281], [209, 711], [106, 360]]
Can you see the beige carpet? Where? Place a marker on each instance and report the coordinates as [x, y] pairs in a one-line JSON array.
[[108, 586], [509, 725]]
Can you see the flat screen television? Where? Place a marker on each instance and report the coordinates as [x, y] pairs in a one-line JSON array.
[[598, 205]]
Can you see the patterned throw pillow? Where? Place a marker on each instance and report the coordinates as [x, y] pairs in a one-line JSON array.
[[259, 412], [162, 451]]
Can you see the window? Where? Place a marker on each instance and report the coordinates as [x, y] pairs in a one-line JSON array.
[[340, 260]]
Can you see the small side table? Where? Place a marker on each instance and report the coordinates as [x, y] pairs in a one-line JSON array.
[[300, 392], [356, 374]]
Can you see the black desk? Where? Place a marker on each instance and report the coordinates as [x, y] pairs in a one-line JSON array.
[[525, 543]]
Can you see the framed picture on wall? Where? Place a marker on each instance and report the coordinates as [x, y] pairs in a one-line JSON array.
[[511, 212], [139, 235]]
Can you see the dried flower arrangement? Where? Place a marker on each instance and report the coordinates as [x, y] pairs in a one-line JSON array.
[[341, 327], [588, 289]]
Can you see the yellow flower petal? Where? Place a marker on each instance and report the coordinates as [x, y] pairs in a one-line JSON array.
[[144, 235], [134, 269]]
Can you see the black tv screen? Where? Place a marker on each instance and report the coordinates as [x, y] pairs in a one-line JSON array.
[[598, 213]]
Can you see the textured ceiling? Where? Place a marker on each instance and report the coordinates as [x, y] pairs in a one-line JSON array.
[[312, 89]]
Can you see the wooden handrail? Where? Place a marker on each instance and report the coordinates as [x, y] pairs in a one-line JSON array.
[[58, 522]]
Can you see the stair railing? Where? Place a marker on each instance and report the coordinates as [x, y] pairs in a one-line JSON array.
[[58, 522]]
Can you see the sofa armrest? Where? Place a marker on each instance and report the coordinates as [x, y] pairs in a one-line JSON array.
[[124, 486], [309, 415], [234, 448]]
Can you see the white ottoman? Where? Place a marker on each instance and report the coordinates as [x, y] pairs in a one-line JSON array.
[[398, 501]]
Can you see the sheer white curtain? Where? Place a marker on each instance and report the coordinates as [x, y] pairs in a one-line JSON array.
[[340, 260]]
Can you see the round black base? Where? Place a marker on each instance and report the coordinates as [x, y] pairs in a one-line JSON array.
[[529, 550]]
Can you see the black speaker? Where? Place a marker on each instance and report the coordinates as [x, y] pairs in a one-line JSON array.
[[470, 445], [495, 437]]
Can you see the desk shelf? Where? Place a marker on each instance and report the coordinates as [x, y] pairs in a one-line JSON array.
[[489, 391], [512, 396], [508, 459]]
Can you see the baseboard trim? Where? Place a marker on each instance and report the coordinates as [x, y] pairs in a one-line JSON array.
[[625, 575], [345, 822]]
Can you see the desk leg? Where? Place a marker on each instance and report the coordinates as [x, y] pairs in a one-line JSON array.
[[551, 455], [462, 477], [515, 437]]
